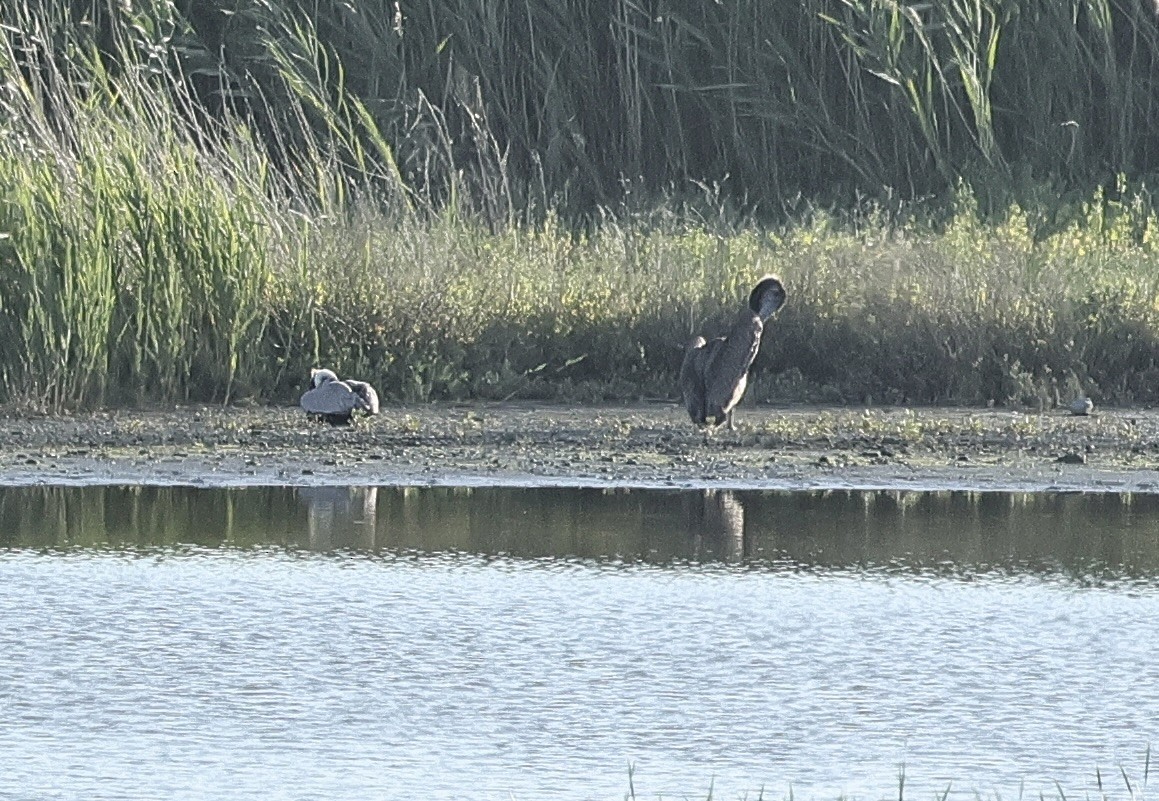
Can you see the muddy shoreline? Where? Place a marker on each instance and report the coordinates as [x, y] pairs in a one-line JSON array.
[[639, 445]]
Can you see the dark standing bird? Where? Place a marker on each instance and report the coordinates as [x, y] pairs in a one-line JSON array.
[[336, 401], [714, 374]]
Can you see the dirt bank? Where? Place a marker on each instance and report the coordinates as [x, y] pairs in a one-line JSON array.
[[638, 445]]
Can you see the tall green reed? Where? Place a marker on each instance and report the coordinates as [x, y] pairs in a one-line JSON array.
[[579, 105], [137, 230]]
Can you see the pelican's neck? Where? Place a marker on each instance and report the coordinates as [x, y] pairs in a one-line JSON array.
[[768, 306]]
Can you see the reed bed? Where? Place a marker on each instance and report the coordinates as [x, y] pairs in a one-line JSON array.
[[160, 242], [574, 104]]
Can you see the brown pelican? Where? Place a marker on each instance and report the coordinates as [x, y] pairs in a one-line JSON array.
[[714, 374], [336, 401]]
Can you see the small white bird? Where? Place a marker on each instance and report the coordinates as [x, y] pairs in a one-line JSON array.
[[1081, 406], [335, 401]]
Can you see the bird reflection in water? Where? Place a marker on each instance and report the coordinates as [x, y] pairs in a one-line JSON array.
[[715, 519], [340, 517]]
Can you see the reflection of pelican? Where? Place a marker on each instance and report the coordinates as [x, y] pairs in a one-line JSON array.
[[718, 516], [335, 401], [714, 374], [340, 516]]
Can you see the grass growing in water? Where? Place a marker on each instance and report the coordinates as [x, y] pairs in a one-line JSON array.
[[151, 252], [1133, 791]]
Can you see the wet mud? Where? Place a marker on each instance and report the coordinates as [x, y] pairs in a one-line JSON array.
[[643, 445]]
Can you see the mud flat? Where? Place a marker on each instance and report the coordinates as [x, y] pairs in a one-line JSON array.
[[642, 445]]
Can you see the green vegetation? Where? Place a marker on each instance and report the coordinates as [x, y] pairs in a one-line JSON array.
[[177, 224], [567, 104]]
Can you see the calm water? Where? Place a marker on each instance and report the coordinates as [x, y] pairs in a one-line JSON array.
[[489, 644]]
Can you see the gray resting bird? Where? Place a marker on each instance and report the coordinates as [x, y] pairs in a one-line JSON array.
[[336, 401], [714, 374], [1082, 406]]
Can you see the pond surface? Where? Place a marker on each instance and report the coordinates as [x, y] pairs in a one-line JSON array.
[[282, 643]]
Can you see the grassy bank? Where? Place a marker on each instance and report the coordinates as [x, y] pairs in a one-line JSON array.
[[152, 251], [879, 311]]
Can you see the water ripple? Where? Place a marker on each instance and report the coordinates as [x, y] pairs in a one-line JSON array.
[[139, 669]]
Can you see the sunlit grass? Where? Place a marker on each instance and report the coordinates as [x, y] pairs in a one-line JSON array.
[[879, 311]]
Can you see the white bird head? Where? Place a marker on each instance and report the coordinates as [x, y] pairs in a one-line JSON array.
[[320, 376]]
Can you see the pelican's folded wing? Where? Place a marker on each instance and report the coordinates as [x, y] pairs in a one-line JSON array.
[[333, 397]]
